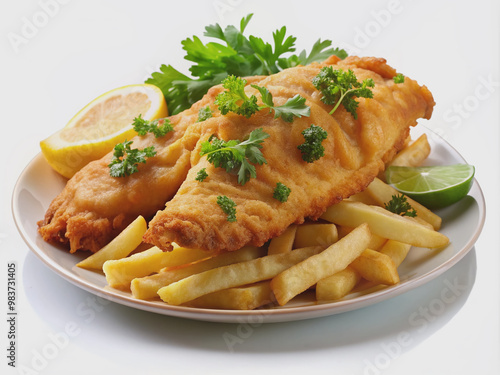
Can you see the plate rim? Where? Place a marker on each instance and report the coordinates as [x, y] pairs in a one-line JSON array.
[[276, 314]]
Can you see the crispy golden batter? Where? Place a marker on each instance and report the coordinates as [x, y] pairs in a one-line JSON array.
[[356, 151], [94, 207]]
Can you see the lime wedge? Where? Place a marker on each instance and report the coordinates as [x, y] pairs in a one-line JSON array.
[[434, 187]]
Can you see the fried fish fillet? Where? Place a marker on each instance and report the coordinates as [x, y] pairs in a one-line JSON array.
[[355, 152], [94, 207]]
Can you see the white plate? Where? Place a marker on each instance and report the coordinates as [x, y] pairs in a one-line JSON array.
[[462, 223]]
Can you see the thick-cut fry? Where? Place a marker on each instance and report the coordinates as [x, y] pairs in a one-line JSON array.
[[335, 258], [385, 224], [120, 272], [121, 246], [147, 287], [284, 242], [241, 298], [233, 275], [376, 242], [382, 193], [362, 197], [414, 154], [315, 235], [181, 256], [396, 250], [376, 267], [338, 285]]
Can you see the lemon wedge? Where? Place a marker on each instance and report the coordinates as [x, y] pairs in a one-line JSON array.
[[100, 125]]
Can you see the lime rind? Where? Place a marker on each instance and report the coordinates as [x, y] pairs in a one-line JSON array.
[[434, 187]]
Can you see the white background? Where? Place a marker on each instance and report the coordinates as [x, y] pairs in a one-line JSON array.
[[82, 49]]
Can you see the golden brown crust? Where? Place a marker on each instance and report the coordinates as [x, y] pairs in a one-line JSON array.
[[356, 151], [94, 207]]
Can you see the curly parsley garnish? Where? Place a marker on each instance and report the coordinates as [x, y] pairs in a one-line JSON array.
[[201, 175], [228, 206], [340, 87], [126, 159], [398, 78], [399, 205], [142, 127], [281, 192], [234, 99], [235, 156], [204, 113], [232, 53], [312, 149]]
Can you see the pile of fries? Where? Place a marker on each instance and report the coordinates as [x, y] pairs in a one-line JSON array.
[[355, 240]]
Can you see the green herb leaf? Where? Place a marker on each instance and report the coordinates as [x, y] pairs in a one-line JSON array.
[[142, 127], [234, 99], [236, 157], [228, 206], [399, 205], [293, 107], [319, 52], [398, 78], [281, 192], [312, 148], [232, 53], [125, 159], [340, 87], [204, 113]]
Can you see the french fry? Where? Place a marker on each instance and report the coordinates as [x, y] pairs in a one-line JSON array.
[[233, 275], [120, 272], [147, 287], [241, 298], [284, 242], [337, 285], [315, 234], [340, 284], [362, 197], [307, 273], [414, 154], [396, 250], [382, 193], [376, 242], [121, 246], [181, 256], [376, 267], [385, 224]]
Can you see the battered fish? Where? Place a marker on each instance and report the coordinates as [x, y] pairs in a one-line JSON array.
[[355, 152], [94, 207]]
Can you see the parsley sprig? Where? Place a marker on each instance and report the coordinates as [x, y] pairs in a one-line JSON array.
[[125, 159], [228, 206], [232, 53], [341, 87], [281, 192], [235, 156], [398, 78], [201, 175], [204, 113], [399, 205], [312, 149], [142, 126], [234, 99]]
